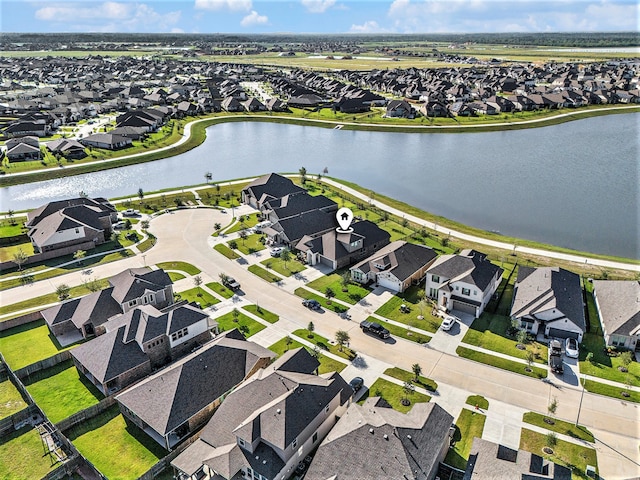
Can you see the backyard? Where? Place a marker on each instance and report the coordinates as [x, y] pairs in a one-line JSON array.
[[21, 456], [10, 399]]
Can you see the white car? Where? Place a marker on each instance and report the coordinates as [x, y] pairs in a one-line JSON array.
[[275, 252], [448, 322], [571, 348]]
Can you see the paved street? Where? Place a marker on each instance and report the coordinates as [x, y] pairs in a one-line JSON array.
[[185, 235]]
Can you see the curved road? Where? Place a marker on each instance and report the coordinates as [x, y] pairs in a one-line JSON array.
[[185, 235]]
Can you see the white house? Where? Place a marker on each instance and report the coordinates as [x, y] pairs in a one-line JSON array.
[[549, 298], [618, 304], [463, 282]]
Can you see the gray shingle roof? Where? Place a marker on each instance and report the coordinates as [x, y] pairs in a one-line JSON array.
[[401, 258], [290, 205], [619, 302], [468, 266], [96, 308], [133, 282], [273, 185]]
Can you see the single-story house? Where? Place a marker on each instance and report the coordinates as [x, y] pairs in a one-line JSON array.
[[176, 401], [23, 149], [396, 266], [618, 304], [68, 148], [374, 441], [464, 282], [549, 299], [109, 141]]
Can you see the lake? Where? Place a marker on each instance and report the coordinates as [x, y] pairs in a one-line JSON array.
[[574, 185]]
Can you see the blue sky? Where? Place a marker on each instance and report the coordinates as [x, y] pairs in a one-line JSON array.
[[319, 16]]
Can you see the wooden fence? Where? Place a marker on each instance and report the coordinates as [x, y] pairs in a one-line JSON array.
[[21, 320], [86, 414], [22, 373], [165, 462]]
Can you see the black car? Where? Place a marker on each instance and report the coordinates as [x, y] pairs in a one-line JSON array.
[[312, 304], [356, 383]]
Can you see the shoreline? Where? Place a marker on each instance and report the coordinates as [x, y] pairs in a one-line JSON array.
[[194, 135]]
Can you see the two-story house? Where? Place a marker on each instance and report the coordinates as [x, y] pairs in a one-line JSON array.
[[618, 304], [268, 188], [267, 425], [463, 282]]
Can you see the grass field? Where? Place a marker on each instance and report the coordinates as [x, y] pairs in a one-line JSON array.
[[21, 456], [263, 313], [391, 310], [204, 298], [285, 269], [327, 364], [500, 362], [353, 295], [118, 450], [62, 391], [251, 244], [393, 394], [564, 453], [180, 266], [226, 251], [469, 425], [247, 221], [324, 344], [264, 274], [405, 376], [612, 391], [29, 343], [220, 289], [246, 325], [401, 332], [478, 400], [558, 426], [333, 306], [10, 399]]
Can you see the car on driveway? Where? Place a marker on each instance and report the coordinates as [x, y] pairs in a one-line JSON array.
[[356, 383], [276, 251], [311, 303], [571, 348], [448, 322]]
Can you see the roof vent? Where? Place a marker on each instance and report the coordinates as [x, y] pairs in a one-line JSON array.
[[386, 437], [371, 430], [257, 457], [264, 462], [409, 437], [278, 411]]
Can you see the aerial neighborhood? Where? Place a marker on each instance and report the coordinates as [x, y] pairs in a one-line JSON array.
[[290, 326]]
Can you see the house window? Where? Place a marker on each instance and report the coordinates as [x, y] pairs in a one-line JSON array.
[[314, 439], [433, 292], [466, 291], [435, 278], [151, 298], [295, 443], [77, 230], [475, 292], [133, 303], [326, 409], [241, 443]]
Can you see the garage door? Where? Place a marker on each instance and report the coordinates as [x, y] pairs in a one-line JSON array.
[[464, 307], [557, 333], [387, 283]]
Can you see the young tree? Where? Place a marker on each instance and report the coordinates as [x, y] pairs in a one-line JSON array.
[[197, 281], [144, 224], [208, 176], [235, 313], [127, 224], [590, 357], [20, 258], [233, 244], [626, 358], [243, 235], [288, 341], [552, 407], [223, 277], [521, 337], [285, 256], [529, 358], [62, 291], [92, 285], [342, 338], [310, 328], [10, 214], [407, 388], [303, 175], [329, 294], [551, 440], [79, 255], [345, 279], [140, 194], [417, 370]]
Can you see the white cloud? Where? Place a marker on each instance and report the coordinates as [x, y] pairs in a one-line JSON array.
[[106, 10], [318, 6], [368, 27], [232, 5], [254, 19], [177, 30]]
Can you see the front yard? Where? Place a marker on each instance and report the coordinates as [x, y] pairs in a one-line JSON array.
[[62, 391], [355, 292], [246, 325], [118, 450], [409, 298], [286, 269], [327, 364], [393, 394], [469, 425], [204, 298], [252, 244]]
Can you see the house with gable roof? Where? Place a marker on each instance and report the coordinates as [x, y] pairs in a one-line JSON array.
[[549, 299], [463, 282], [618, 304], [176, 401], [375, 441], [268, 188], [268, 423]]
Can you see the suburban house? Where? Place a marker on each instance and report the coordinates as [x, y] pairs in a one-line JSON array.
[[291, 230], [176, 401], [268, 188], [82, 317], [139, 342], [549, 299], [618, 304], [491, 460], [76, 221], [106, 140], [338, 250], [67, 148], [269, 423], [375, 441], [463, 282], [23, 149], [396, 266], [296, 204]]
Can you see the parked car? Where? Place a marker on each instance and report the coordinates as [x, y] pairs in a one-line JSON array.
[[312, 304], [374, 328], [130, 212], [356, 383], [119, 225], [276, 251], [448, 322], [230, 283], [555, 357], [571, 348]]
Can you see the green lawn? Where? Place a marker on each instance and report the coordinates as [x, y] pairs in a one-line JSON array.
[[22, 457], [263, 313], [180, 266], [469, 425], [490, 332], [333, 306], [7, 253], [27, 344], [324, 344], [499, 362], [226, 251], [246, 325], [146, 244], [393, 394], [405, 376], [327, 364], [278, 265], [355, 292], [251, 244], [569, 454], [8, 230], [478, 400], [204, 298], [558, 426], [247, 222], [118, 450], [391, 310], [10, 399], [175, 276], [220, 289], [612, 391], [402, 332], [62, 391], [264, 274]]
